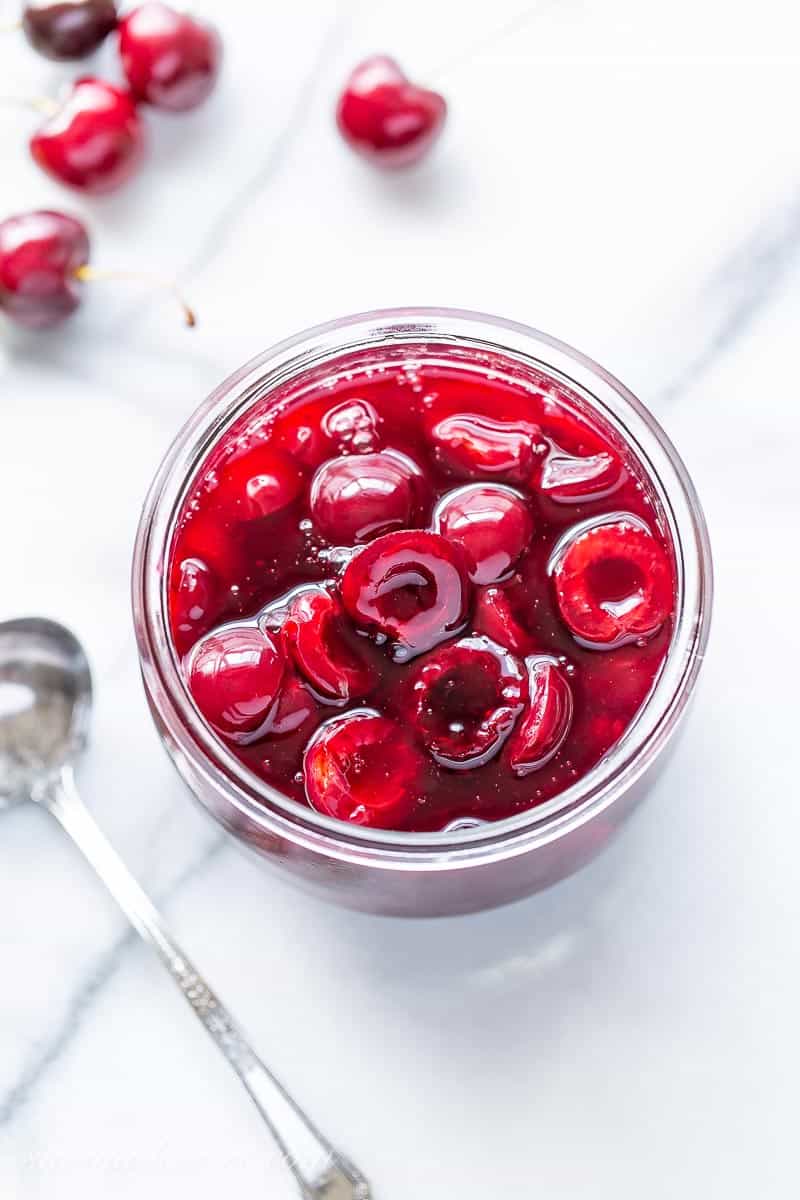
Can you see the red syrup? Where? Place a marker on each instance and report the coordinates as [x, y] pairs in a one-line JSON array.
[[455, 586]]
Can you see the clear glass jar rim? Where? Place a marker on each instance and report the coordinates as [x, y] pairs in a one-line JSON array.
[[610, 778]]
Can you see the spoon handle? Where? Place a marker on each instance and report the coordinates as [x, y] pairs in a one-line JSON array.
[[321, 1172]]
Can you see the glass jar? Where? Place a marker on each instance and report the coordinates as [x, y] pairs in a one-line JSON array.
[[462, 869]]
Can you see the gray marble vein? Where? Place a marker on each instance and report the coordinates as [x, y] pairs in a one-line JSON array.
[[216, 236], [744, 285], [86, 996]]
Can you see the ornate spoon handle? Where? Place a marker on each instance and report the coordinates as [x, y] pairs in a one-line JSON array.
[[321, 1172]]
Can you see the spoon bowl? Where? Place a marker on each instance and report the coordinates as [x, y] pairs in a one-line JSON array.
[[45, 704]]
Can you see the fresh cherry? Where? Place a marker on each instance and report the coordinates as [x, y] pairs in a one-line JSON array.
[[477, 447], [412, 587], [465, 699], [68, 29], [260, 483], [40, 255], [94, 141], [364, 768], [492, 524], [386, 118], [355, 498], [171, 60], [234, 675], [43, 263], [613, 583], [571, 480], [546, 720], [194, 593], [495, 616], [324, 649]]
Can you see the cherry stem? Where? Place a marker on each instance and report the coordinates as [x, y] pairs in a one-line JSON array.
[[90, 275], [38, 104]]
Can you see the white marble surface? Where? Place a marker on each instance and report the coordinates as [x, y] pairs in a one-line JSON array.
[[625, 176]]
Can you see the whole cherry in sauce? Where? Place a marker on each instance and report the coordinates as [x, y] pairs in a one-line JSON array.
[[385, 117], [546, 720], [464, 699], [235, 676], [492, 524], [68, 29], [466, 578], [364, 768], [171, 59], [411, 587], [94, 141], [324, 649], [613, 583], [356, 497]]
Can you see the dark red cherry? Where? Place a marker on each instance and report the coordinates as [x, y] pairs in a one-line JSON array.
[[95, 141], [465, 698], [496, 617], [364, 768], [68, 29], [571, 433], [296, 706], [492, 524], [353, 426], [40, 253], [324, 649], [194, 593], [613, 583], [170, 59], [311, 433], [412, 587], [570, 480], [357, 497], [478, 447], [260, 483], [386, 118], [235, 675], [546, 720]]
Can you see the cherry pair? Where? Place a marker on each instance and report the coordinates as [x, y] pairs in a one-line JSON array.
[[94, 140]]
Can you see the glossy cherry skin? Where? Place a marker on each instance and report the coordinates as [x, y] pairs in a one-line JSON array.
[[260, 483], [234, 675], [296, 706], [39, 255], [364, 768], [310, 436], [68, 29], [547, 718], [355, 498], [613, 583], [412, 587], [95, 141], [171, 60], [567, 479], [194, 594], [478, 447], [386, 118], [496, 618], [324, 649], [465, 698], [492, 524]]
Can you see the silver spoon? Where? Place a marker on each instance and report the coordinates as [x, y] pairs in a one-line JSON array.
[[45, 704]]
